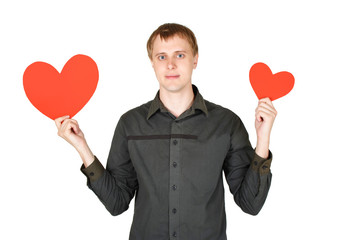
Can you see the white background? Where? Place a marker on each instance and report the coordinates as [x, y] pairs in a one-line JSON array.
[[314, 193]]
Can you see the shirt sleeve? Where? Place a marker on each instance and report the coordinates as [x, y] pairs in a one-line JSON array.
[[94, 171], [247, 174], [116, 185]]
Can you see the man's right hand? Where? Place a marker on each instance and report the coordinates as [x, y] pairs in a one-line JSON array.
[[69, 130]]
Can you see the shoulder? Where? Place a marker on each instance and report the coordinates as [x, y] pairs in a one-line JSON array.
[[227, 121], [223, 117], [132, 118], [215, 110], [137, 113]]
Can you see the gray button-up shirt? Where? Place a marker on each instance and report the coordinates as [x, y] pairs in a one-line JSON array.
[[175, 165]]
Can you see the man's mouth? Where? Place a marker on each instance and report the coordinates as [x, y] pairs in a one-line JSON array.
[[172, 76]]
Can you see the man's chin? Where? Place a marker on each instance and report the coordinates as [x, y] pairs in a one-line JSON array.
[[172, 87]]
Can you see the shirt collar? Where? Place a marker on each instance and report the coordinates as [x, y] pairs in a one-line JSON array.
[[199, 103]]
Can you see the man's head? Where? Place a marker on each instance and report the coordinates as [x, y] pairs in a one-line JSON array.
[[173, 53], [169, 30]]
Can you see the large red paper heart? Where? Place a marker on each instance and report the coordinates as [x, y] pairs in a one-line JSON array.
[[266, 84], [58, 94]]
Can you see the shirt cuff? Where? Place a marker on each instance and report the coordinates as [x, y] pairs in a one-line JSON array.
[[94, 171], [261, 165]]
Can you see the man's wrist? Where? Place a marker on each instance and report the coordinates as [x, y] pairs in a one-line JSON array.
[[86, 155], [262, 148]]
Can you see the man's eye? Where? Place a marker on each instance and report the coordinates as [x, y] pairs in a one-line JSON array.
[[180, 55], [161, 57]]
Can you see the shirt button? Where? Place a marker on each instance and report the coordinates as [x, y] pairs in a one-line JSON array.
[[174, 187], [92, 174], [174, 210], [175, 142], [174, 164], [174, 234]]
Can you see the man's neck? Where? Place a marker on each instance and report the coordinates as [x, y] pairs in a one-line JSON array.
[[177, 102]]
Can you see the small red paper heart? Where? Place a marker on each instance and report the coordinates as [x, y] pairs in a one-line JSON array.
[[266, 84], [58, 94]]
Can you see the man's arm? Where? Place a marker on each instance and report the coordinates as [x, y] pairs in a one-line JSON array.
[[265, 114], [69, 130], [115, 186], [247, 171]]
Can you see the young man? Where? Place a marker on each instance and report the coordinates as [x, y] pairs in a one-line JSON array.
[[171, 152]]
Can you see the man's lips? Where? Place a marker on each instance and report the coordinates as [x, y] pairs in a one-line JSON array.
[[172, 76]]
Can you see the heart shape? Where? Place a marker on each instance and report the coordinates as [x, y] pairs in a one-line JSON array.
[[266, 84], [58, 94]]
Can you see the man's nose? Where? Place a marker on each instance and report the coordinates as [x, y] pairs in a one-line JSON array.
[[171, 64]]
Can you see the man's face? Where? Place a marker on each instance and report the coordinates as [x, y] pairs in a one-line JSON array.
[[173, 63]]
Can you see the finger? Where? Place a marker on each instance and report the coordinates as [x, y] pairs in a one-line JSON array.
[[75, 127], [267, 101], [69, 126], [63, 127], [258, 117], [264, 114], [58, 121], [268, 107], [266, 110], [265, 105]]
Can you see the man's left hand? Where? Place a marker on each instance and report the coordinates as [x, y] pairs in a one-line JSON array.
[[265, 114]]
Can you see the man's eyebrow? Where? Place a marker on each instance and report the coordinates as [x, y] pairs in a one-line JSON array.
[[160, 53], [164, 53]]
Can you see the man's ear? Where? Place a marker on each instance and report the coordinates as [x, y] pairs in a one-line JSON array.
[[196, 60]]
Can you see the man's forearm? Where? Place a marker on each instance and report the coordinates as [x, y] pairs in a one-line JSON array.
[[255, 187], [262, 148], [86, 155]]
